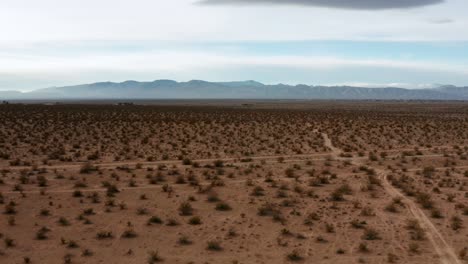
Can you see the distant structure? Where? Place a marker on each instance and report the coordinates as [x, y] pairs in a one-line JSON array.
[[125, 103]]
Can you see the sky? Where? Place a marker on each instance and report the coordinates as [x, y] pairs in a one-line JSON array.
[[372, 43]]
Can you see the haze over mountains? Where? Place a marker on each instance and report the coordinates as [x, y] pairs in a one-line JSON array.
[[197, 89]]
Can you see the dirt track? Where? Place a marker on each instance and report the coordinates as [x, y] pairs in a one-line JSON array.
[[235, 160], [441, 246]]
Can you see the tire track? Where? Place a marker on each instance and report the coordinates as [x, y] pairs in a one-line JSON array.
[[442, 248]]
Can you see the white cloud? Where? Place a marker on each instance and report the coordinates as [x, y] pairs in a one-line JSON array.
[[176, 60], [41, 42], [26, 21]]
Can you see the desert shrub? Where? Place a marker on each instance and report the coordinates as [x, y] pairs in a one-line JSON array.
[[329, 228], [428, 172], [373, 180], [281, 194], [9, 242], [89, 211], [371, 234], [41, 181], [463, 253], [391, 208], [218, 163], [195, 220], [436, 213], [155, 220], [367, 211], [129, 233], [110, 203], [232, 232], [80, 184], [223, 206], [214, 245], [63, 221], [416, 231], [267, 209], [309, 220], [337, 195], [258, 191], [425, 200], [132, 183], [11, 221], [186, 209], [172, 222], [184, 240], [363, 248], [456, 223], [87, 253], [111, 189], [166, 188], [87, 168], [289, 172], [414, 248], [72, 244], [373, 156], [10, 209], [346, 189], [295, 255], [392, 258], [77, 193], [212, 197], [41, 234], [355, 223], [67, 259], [104, 235], [95, 197], [44, 212], [180, 179], [142, 211], [154, 257], [286, 232]]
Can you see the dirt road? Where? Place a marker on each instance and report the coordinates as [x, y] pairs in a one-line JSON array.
[[443, 249]]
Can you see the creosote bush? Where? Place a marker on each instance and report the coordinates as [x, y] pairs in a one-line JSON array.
[[214, 245]]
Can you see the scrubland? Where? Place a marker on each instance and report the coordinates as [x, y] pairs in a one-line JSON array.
[[309, 182]]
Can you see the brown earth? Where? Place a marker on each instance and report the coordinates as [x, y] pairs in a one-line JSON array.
[[265, 182]]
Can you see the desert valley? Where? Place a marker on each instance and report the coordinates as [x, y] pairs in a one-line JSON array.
[[256, 182]]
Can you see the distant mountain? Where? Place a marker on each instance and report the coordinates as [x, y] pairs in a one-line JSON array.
[[10, 94], [453, 90], [198, 89]]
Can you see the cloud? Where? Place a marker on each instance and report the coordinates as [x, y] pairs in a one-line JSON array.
[[179, 60], [344, 4]]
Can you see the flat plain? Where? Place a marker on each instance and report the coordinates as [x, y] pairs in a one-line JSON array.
[[234, 182]]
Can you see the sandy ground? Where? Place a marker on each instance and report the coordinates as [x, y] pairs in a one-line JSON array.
[[309, 185]]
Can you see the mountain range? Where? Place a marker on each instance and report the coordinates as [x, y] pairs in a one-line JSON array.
[[197, 89]]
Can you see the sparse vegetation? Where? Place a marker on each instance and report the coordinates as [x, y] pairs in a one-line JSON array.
[[214, 245], [233, 179]]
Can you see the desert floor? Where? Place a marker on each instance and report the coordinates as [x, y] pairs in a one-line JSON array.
[[234, 182]]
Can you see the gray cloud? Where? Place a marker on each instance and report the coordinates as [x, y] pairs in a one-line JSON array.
[[344, 4]]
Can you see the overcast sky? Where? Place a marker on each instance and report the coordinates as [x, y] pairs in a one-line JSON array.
[[408, 43]]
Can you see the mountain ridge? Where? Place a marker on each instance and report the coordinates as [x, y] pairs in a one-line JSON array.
[[199, 89]]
